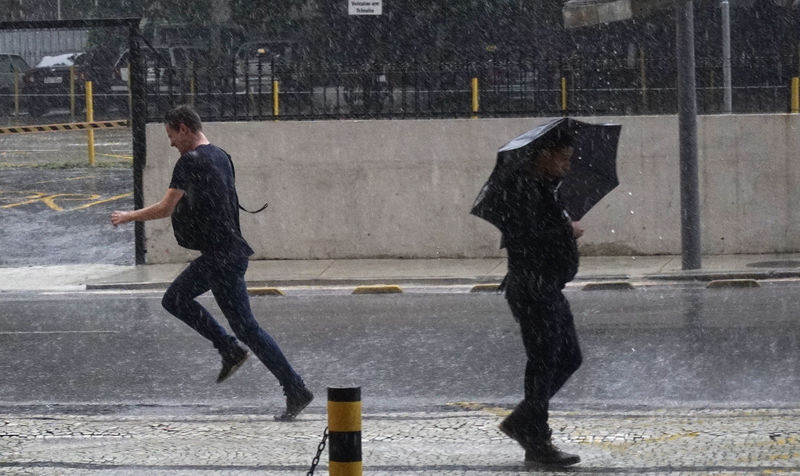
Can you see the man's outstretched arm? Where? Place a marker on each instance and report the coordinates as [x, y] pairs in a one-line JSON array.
[[162, 209]]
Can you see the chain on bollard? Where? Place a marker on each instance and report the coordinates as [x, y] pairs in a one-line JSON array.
[[320, 449]]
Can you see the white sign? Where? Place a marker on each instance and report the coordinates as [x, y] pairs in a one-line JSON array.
[[365, 7]]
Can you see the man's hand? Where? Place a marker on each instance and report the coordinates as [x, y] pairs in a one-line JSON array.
[[119, 218], [577, 229]]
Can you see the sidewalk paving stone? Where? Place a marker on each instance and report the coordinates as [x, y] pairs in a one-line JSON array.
[[455, 441]]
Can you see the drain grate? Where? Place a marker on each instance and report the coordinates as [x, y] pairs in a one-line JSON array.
[[775, 264]]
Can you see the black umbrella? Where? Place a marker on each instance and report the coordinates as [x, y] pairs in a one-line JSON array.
[[593, 170]]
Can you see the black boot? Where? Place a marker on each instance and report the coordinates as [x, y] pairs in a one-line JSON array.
[[545, 453], [231, 361], [520, 426], [296, 400]]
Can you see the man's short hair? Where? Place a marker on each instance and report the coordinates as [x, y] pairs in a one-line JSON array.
[[184, 114], [557, 140]]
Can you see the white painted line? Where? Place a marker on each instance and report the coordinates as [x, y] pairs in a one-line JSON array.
[[56, 332]]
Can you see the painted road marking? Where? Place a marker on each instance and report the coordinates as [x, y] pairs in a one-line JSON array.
[[7, 333], [65, 179], [115, 156], [51, 200]]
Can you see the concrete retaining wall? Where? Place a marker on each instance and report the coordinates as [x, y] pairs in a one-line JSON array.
[[357, 189]]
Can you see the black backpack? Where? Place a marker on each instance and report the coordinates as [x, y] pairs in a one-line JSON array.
[[187, 225]]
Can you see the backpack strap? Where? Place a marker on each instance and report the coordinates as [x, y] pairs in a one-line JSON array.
[[233, 171]]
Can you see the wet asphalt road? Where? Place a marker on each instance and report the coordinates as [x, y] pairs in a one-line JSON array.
[[52, 215], [648, 348]]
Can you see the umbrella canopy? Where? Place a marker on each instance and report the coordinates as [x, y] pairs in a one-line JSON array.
[[592, 174]]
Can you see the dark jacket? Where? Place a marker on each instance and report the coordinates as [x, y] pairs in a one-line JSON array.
[[542, 251]]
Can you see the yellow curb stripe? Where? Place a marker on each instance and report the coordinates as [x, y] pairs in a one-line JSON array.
[[265, 291], [485, 288], [608, 285], [378, 289], [733, 283]]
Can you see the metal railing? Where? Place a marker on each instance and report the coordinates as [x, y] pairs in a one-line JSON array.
[[273, 90]]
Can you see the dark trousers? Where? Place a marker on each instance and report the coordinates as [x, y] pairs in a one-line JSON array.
[[552, 350], [225, 278]]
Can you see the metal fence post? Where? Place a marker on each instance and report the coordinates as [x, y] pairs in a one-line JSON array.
[[475, 98], [275, 100], [16, 93], [138, 110], [90, 118], [344, 429], [72, 93]]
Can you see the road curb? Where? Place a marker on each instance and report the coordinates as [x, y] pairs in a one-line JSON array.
[[608, 286], [733, 283], [378, 289], [480, 284], [265, 291], [485, 288]]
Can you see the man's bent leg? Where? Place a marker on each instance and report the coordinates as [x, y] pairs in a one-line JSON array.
[[179, 300], [230, 291]]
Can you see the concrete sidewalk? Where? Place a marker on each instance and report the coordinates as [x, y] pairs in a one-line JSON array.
[[357, 272], [444, 442]]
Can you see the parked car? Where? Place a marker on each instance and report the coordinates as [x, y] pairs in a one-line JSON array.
[[168, 72], [12, 68], [258, 63], [50, 83]]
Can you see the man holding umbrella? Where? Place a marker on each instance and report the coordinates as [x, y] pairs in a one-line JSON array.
[[523, 198]]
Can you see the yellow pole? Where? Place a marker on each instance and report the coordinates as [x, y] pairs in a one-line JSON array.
[[475, 98], [16, 92], [344, 431], [90, 118], [275, 99], [795, 95], [72, 92], [563, 95]]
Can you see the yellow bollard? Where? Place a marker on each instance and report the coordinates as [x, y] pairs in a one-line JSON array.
[[275, 100], [563, 95], [475, 98], [795, 95], [344, 431], [90, 118]]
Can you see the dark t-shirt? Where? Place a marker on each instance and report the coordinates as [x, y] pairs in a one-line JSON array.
[[539, 236], [207, 179]]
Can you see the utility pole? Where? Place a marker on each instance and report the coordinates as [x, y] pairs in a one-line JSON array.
[[727, 106], [591, 12], [687, 135]]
